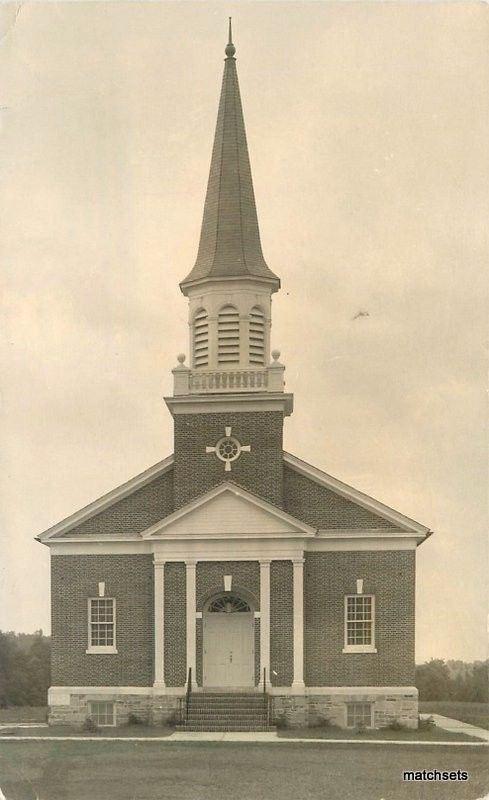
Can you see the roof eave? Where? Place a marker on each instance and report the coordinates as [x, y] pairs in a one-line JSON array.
[[188, 284]]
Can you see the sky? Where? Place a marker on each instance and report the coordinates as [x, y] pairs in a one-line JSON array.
[[368, 126]]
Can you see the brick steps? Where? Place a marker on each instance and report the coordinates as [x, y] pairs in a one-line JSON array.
[[221, 712]]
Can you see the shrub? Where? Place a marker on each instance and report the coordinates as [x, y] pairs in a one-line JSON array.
[[90, 726], [426, 724], [173, 719], [133, 719], [321, 722], [280, 721], [361, 728], [397, 726]]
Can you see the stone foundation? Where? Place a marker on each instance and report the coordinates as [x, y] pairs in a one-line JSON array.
[[317, 710], [73, 709], [69, 707]]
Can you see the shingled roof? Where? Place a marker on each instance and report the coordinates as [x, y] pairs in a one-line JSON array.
[[230, 239]]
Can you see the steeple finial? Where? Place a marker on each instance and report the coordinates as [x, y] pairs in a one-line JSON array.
[[230, 48]]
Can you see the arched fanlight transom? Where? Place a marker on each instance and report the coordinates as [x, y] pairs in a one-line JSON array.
[[229, 604]]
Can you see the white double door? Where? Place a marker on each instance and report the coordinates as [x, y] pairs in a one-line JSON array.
[[229, 658]]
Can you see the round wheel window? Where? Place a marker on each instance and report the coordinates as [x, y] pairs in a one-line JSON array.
[[228, 449]]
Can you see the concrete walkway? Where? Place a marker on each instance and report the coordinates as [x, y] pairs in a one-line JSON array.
[[182, 738], [224, 736], [456, 726]]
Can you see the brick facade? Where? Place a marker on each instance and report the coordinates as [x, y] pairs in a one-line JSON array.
[[134, 513], [328, 577], [210, 580], [261, 471], [317, 505], [175, 647], [281, 623], [129, 579]]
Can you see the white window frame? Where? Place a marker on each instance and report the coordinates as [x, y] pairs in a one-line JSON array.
[[359, 648], [108, 648], [103, 724]]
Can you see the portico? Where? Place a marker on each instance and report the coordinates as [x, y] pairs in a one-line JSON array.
[[230, 552]]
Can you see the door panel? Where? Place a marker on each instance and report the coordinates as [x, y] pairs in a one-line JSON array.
[[228, 649]]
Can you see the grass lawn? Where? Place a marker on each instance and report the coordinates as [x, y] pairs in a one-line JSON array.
[[429, 735], [473, 713], [24, 714], [212, 771], [154, 731]]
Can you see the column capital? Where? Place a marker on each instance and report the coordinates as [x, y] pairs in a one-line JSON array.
[[190, 562], [298, 562], [159, 564], [265, 562]]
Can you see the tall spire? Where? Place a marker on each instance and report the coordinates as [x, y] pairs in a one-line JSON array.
[[230, 239]]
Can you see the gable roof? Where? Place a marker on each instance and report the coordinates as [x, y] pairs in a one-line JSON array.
[[229, 511], [328, 503], [124, 511], [313, 501]]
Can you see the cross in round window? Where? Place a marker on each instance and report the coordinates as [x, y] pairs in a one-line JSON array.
[[228, 449]]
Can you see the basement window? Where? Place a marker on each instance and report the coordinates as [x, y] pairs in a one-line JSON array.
[[102, 713], [359, 715]]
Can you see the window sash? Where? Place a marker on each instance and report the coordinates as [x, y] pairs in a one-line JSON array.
[[359, 620], [101, 622]]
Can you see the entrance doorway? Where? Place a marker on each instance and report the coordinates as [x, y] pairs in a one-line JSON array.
[[229, 658]]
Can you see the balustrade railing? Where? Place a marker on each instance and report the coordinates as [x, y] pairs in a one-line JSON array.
[[243, 380]]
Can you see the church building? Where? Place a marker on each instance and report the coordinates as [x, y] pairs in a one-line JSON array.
[[232, 585]]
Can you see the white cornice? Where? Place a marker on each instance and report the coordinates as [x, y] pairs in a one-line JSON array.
[[215, 403], [359, 498], [107, 500]]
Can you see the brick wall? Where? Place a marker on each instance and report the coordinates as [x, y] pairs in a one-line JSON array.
[[134, 513], [129, 579], [281, 623], [389, 575], [210, 580], [315, 504], [175, 643], [260, 471]]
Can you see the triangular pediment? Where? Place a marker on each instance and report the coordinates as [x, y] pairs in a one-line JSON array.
[[228, 511]]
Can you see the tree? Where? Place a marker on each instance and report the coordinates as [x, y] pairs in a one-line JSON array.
[[433, 680]]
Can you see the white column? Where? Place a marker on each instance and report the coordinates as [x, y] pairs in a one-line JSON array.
[[190, 566], [159, 608], [298, 567], [265, 619]]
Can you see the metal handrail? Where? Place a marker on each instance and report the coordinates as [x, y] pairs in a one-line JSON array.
[[189, 692], [266, 703]]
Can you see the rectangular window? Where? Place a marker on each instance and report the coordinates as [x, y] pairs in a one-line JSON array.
[[102, 713], [359, 623], [359, 715], [101, 625]]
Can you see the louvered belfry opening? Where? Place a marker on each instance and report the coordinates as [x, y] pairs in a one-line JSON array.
[[257, 337], [201, 339], [228, 336]]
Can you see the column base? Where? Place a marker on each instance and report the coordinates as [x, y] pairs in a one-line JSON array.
[[159, 685], [299, 686]]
